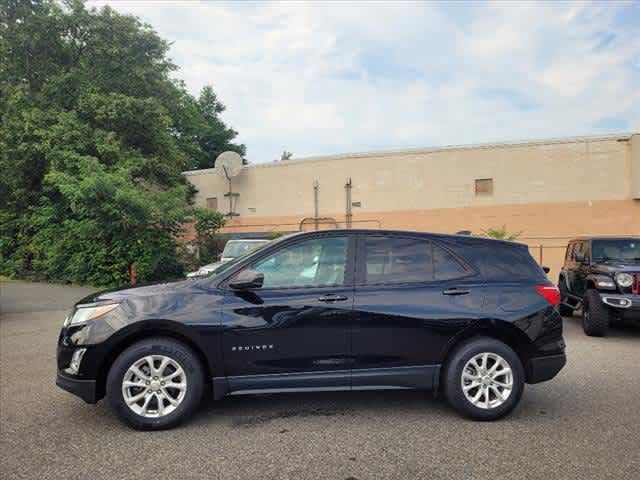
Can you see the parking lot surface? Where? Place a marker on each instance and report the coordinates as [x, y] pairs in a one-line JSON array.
[[583, 424]]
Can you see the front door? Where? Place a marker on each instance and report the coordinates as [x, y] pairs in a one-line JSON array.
[[582, 269], [293, 332], [412, 296]]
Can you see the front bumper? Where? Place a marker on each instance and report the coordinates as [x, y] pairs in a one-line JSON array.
[[627, 307], [541, 369], [83, 388]]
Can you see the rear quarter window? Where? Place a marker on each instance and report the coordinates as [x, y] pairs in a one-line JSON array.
[[505, 262]]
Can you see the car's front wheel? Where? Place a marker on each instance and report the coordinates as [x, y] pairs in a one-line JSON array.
[[155, 384], [484, 379], [595, 316]]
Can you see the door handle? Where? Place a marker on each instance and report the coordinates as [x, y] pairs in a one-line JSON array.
[[456, 291], [332, 298]]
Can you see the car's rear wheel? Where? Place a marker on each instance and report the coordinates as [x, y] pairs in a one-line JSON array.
[[484, 379], [595, 316], [155, 384]]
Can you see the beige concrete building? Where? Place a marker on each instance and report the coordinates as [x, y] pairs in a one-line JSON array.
[[550, 190]]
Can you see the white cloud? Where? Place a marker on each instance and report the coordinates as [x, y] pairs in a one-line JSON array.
[[327, 78]]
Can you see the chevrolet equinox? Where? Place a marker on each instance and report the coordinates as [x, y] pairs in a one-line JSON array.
[[472, 318]]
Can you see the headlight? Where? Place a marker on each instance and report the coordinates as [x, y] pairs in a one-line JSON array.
[[84, 314], [624, 280], [605, 282]]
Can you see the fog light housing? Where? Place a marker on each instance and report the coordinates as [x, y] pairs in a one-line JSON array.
[[76, 360], [618, 302]]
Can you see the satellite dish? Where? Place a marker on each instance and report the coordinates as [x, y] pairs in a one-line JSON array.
[[229, 164]]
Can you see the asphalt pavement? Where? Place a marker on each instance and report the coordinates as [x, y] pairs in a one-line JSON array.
[[583, 424]]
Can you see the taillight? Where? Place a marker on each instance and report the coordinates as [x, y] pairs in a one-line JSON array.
[[550, 293]]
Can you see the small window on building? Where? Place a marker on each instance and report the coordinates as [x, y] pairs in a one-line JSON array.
[[212, 203], [484, 186]]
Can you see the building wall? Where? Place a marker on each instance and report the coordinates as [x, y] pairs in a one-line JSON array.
[[549, 190]]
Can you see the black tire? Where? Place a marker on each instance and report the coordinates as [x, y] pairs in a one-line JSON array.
[[595, 315], [177, 352], [564, 308], [453, 378]]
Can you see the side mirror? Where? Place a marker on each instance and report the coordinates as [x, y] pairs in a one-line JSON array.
[[246, 280], [546, 269], [579, 257]]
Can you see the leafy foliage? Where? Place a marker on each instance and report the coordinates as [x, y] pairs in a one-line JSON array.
[[94, 135], [207, 223], [501, 233], [286, 155]]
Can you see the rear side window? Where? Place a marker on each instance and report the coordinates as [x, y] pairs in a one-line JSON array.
[[408, 260], [569, 254], [397, 260], [446, 267]]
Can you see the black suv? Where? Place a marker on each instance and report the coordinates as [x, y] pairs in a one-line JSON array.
[[335, 310], [601, 275]]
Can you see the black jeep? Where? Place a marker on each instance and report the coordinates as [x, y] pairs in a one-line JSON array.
[[601, 275]]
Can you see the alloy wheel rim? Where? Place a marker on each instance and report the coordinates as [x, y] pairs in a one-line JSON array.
[[154, 386], [487, 380]]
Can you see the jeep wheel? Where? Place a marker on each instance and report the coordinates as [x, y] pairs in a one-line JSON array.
[[483, 379], [595, 316], [155, 384], [564, 308]]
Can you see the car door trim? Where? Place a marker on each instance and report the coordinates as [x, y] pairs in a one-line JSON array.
[[422, 377]]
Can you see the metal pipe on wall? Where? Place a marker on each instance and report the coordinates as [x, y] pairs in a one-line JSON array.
[[316, 185], [348, 215]]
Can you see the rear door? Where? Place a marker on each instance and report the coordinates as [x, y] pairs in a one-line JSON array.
[[412, 295], [294, 331]]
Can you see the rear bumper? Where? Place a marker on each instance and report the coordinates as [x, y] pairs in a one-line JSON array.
[[85, 389], [545, 368]]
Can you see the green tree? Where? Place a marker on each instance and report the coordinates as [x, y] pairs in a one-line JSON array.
[[286, 155], [94, 135], [501, 233], [207, 223]]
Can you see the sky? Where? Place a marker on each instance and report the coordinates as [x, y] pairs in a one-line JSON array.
[[338, 77]]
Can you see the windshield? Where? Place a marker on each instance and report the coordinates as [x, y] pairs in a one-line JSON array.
[[236, 248], [627, 250]]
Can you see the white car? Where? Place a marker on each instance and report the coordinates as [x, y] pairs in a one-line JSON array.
[[233, 249]]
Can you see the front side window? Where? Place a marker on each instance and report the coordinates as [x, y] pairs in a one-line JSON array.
[[317, 262], [397, 260]]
